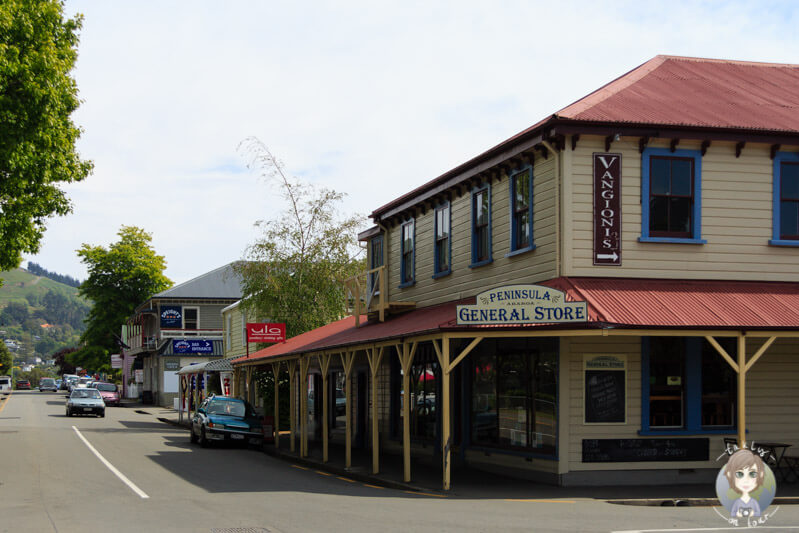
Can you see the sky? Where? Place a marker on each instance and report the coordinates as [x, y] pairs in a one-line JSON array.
[[369, 98]]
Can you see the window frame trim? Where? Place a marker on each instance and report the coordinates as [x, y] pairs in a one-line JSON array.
[[696, 211], [512, 189], [474, 262], [403, 284], [442, 273], [776, 237]]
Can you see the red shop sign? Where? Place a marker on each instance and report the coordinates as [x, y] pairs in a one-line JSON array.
[[263, 332]]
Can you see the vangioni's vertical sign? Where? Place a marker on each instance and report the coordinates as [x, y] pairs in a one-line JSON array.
[[607, 209]]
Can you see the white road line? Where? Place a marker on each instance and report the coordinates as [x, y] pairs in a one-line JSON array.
[[111, 467]]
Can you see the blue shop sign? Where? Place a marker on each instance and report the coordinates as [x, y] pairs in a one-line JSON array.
[[172, 316], [184, 346]]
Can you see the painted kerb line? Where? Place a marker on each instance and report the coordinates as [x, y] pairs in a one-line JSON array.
[[111, 467]]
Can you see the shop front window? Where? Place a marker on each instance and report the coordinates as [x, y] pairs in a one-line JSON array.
[[688, 386], [425, 375], [514, 387]]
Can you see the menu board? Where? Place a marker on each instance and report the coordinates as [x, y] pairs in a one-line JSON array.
[[604, 396], [638, 450]]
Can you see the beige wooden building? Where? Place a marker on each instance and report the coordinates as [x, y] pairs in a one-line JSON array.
[[603, 298]]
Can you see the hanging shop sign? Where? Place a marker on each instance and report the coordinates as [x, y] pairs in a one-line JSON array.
[[199, 346], [172, 316], [522, 304], [266, 332], [607, 209]]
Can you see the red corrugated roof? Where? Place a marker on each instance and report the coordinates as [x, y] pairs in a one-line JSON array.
[[612, 302], [697, 92]]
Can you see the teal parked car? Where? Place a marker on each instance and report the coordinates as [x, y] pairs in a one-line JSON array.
[[226, 419]]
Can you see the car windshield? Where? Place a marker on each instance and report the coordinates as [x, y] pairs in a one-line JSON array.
[[105, 387], [85, 393], [226, 407], [48, 382]]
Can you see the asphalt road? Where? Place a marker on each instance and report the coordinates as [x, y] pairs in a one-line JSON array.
[[50, 480]]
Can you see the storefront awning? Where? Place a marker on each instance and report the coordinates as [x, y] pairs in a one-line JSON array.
[[219, 365], [613, 303]]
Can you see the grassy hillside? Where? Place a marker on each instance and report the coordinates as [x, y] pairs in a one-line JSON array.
[[39, 315], [18, 283]]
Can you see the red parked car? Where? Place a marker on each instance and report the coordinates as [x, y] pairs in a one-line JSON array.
[[108, 391], [23, 384]]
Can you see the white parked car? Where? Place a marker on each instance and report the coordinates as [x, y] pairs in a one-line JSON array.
[[85, 402]]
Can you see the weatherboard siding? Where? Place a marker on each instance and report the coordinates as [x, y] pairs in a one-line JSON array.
[[530, 267], [736, 218]]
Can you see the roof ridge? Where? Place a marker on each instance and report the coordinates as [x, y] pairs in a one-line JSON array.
[[728, 61], [611, 88]]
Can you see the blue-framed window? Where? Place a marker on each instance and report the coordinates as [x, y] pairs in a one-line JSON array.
[[671, 195], [408, 253], [521, 210], [443, 246], [687, 387], [786, 199], [481, 226]]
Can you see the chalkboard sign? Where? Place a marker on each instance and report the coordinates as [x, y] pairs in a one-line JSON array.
[[639, 450], [605, 398]]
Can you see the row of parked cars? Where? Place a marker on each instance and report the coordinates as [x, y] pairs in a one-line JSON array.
[[88, 396]]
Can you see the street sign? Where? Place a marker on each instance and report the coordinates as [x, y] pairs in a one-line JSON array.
[[116, 361], [266, 332]]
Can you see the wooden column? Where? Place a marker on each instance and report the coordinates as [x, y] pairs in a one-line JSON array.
[[741, 391], [292, 364], [405, 352], [347, 359], [324, 364], [375, 356], [276, 373], [304, 364]]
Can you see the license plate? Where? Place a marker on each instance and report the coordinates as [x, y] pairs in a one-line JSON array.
[[87, 408], [236, 436]]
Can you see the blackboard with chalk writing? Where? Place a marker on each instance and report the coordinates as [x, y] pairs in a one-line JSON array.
[[638, 450], [605, 398]]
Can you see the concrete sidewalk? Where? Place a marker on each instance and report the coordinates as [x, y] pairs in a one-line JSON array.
[[470, 483]]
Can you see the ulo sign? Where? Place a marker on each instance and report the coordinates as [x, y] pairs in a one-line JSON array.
[[522, 304], [266, 332], [607, 209]]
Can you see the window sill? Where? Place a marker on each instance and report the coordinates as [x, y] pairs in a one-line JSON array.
[[482, 263], [406, 284], [781, 242], [686, 432], [442, 274], [521, 251], [674, 240]]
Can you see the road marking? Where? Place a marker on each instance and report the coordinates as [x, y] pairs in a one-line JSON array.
[[781, 528], [300, 467], [345, 479], [3, 405], [111, 467], [543, 501], [372, 486], [425, 494], [323, 473]]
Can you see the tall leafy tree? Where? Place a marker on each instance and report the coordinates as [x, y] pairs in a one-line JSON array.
[[38, 49], [6, 360], [294, 272], [121, 277]]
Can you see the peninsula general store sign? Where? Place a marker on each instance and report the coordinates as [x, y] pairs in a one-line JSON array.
[[522, 304]]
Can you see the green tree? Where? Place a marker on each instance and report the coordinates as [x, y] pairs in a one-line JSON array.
[[14, 313], [121, 277], [295, 272], [38, 49], [6, 360]]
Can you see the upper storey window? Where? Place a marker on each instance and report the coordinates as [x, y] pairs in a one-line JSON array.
[[671, 196], [521, 195], [786, 199], [481, 226], [443, 247], [408, 254]]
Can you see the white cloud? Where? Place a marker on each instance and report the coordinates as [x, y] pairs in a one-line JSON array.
[[369, 98]]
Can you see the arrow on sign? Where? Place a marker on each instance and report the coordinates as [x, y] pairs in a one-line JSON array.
[[612, 256]]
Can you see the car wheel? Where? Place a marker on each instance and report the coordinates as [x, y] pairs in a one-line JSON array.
[[193, 437], [69, 413], [203, 440], [102, 414]]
